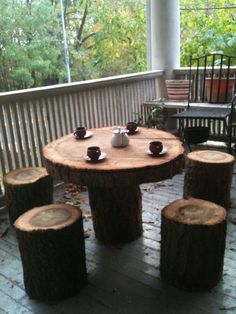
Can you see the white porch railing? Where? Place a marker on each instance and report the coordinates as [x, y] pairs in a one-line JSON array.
[[31, 118], [182, 73]]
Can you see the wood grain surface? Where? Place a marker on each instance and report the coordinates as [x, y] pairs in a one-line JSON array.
[[65, 158]]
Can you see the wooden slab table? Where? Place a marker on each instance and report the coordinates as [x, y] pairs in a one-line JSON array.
[[113, 183]]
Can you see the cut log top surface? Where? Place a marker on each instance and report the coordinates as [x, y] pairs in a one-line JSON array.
[[65, 159], [194, 212], [54, 216], [25, 175], [211, 156], [69, 151]]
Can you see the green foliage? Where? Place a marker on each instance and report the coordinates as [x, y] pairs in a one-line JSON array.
[[156, 117], [113, 40], [29, 47], [121, 39], [205, 31], [104, 38]]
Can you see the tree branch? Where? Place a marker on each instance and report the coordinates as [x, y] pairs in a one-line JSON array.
[[85, 38], [82, 22]]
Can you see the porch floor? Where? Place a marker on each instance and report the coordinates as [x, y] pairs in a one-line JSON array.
[[123, 279]]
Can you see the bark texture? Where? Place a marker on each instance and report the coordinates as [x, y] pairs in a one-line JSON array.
[[117, 213], [51, 244], [208, 176], [26, 188], [193, 236]]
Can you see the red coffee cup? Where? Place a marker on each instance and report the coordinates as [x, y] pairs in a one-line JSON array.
[[155, 147], [80, 131], [131, 126], [93, 152]]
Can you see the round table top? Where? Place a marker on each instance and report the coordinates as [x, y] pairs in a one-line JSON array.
[[65, 158]]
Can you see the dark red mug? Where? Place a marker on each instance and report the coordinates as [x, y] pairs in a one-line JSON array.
[[155, 147], [93, 152], [131, 126], [80, 131]]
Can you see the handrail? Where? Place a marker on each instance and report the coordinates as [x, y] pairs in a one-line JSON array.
[[77, 86], [185, 70], [31, 118]]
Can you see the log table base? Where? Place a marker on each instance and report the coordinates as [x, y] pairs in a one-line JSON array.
[[208, 176], [51, 244], [26, 188], [193, 235], [117, 213]]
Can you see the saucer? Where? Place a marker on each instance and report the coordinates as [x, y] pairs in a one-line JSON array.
[[101, 157], [87, 135], [163, 152], [134, 132]]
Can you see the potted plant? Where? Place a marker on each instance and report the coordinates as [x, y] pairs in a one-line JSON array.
[[156, 117], [218, 86], [178, 90]]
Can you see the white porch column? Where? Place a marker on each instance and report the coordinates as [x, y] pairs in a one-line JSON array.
[[163, 35]]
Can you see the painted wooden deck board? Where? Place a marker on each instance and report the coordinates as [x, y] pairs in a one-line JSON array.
[[125, 279]]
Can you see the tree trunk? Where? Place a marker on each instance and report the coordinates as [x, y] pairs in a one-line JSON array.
[[208, 176], [117, 213], [192, 244], [26, 188], [51, 244]]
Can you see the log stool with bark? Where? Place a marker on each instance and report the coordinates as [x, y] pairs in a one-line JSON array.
[[193, 236], [26, 188], [51, 244], [208, 176]]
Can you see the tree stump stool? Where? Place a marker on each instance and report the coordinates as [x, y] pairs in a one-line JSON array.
[[193, 236], [26, 188], [208, 176], [51, 244]]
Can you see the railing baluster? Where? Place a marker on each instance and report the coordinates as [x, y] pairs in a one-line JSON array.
[[17, 142], [23, 133], [5, 156]]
